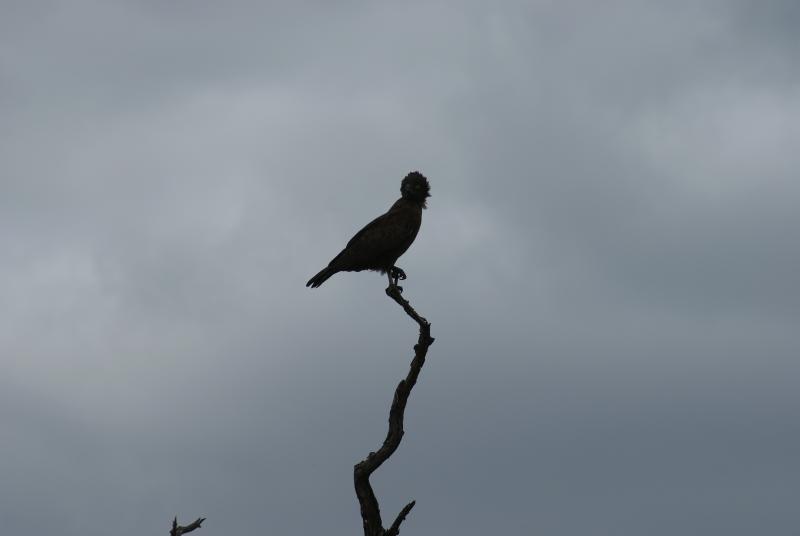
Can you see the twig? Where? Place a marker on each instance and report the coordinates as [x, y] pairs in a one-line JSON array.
[[178, 530], [370, 510]]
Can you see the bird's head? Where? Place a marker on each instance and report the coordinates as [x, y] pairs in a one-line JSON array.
[[415, 188]]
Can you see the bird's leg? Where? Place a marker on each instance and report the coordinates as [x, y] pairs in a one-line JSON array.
[[394, 274]]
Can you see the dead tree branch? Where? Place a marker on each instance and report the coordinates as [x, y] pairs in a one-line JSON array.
[[178, 530], [370, 510]]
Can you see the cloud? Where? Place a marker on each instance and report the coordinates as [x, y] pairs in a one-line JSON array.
[[607, 262]]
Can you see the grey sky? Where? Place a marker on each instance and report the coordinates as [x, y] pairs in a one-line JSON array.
[[609, 262]]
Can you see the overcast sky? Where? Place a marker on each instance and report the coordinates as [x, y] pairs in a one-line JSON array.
[[609, 261]]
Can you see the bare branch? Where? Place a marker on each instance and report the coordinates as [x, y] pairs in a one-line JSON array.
[[178, 530], [394, 530], [370, 510]]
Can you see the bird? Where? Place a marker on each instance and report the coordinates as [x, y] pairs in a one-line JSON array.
[[383, 240]]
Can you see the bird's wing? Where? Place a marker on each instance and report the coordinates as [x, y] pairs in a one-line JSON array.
[[374, 233], [384, 234]]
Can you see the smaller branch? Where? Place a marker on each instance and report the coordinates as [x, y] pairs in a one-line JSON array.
[[178, 530], [394, 530]]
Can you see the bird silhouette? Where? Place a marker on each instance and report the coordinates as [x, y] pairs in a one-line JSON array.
[[381, 242]]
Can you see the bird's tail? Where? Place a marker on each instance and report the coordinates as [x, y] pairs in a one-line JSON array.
[[321, 277]]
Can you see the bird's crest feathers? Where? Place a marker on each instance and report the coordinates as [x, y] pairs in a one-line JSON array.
[[415, 187]]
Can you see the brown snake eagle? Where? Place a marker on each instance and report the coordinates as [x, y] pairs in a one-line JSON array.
[[381, 242]]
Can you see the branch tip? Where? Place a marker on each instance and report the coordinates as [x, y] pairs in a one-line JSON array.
[[178, 530], [394, 530]]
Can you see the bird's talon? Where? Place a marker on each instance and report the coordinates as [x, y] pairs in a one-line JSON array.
[[397, 273]]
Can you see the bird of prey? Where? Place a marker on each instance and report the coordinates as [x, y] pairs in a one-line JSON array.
[[379, 244]]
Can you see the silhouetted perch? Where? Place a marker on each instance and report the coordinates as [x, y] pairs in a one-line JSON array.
[[370, 510]]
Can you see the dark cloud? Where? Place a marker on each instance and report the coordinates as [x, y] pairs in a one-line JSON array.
[[607, 260]]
